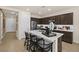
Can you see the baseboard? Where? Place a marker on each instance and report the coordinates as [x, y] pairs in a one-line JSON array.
[[23, 38], [10, 32], [75, 43]]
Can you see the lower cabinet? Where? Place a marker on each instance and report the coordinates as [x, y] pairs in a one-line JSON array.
[[67, 37]]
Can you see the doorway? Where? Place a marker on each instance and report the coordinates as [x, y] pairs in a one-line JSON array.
[[10, 23]]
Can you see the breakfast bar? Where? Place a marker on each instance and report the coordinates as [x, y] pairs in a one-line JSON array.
[[53, 39]]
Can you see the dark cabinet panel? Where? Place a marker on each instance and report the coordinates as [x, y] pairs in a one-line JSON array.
[[60, 44], [67, 37], [44, 21], [58, 19], [34, 19], [40, 21], [68, 18], [63, 19]]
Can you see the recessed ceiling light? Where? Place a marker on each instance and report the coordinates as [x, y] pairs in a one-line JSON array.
[[49, 9], [27, 9]]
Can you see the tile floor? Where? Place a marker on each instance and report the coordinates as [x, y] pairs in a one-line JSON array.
[[11, 44], [66, 47]]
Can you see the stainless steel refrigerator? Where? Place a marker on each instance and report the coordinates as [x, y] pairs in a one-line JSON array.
[[33, 25]]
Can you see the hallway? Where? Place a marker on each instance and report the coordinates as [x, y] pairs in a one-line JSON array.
[[11, 44]]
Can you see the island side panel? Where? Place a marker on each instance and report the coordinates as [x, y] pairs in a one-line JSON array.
[[55, 46], [60, 44]]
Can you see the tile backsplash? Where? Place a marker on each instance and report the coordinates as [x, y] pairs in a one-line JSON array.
[[60, 27], [65, 27]]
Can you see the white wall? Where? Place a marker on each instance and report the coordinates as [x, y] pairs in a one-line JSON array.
[[23, 24], [10, 23], [1, 25], [75, 21]]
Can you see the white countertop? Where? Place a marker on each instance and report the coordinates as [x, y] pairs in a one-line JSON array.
[[64, 30], [50, 39]]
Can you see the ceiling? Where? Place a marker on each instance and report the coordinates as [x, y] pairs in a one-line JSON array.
[[41, 10], [10, 12]]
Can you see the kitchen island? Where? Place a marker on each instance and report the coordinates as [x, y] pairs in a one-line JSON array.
[[55, 39]]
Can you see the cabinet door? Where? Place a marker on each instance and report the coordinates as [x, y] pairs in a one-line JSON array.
[[59, 19], [68, 18], [39, 21], [62, 19], [35, 19], [46, 21], [68, 37], [56, 20]]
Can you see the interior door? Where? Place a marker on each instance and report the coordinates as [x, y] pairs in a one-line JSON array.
[[10, 24]]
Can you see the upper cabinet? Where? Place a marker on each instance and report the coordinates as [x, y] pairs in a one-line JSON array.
[[68, 18], [35, 19], [63, 19], [43, 21]]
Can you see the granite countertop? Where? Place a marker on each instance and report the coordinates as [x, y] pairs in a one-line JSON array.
[[50, 39]]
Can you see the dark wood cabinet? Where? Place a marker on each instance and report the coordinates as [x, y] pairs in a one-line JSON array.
[[58, 19], [34, 19], [40, 21], [67, 37], [68, 19], [43, 21], [63, 19]]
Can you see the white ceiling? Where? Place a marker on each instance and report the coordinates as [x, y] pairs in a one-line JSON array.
[[42, 10], [9, 12]]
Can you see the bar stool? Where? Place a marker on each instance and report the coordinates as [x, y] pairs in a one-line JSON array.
[[33, 43], [27, 40], [44, 46]]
